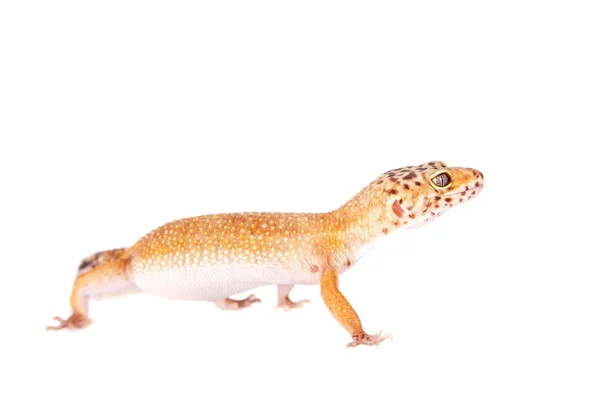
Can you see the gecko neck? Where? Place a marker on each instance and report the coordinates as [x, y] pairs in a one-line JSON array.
[[362, 221]]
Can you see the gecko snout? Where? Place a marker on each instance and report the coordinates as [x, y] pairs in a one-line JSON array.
[[478, 178]]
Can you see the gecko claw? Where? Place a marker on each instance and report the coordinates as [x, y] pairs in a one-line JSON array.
[[75, 321], [369, 340]]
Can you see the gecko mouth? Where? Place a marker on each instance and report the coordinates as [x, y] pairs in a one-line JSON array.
[[465, 191]]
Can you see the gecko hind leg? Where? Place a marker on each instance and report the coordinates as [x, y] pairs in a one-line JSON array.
[[283, 298], [231, 304]]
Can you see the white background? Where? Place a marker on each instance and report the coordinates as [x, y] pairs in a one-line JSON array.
[[119, 116]]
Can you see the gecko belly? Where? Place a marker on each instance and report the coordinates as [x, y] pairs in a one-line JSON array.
[[201, 282]]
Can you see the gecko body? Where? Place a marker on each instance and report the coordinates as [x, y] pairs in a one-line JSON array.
[[213, 257]]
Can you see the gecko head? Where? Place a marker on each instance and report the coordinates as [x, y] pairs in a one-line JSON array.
[[417, 195]]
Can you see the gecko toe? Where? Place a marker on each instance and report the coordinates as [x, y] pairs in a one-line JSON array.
[[75, 321], [369, 340], [248, 301], [286, 304], [231, 304], [61, 324]]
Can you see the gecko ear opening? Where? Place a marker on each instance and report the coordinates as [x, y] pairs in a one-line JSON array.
[[399, 210]]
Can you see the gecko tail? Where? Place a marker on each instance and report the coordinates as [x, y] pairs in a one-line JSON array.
[[108, 260], [101, 257]]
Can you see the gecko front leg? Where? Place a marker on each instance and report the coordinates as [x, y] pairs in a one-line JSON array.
[[343, 312]]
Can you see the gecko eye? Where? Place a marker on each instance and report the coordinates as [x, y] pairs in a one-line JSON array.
[[441, 180]]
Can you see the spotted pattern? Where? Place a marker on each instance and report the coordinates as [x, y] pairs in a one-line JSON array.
[[251, 239], [307, 242]]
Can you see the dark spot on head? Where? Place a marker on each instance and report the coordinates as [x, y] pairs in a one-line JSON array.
[[379, 182], [394, 179], [405, 186], [437, 198], [400, 201], [437, 206], [385, 231], [473, 193], [448, 199], [461, 200], [411, 216], [432, 164], [476, 184], [348, 262], [396, 223], [409, 176], [432, 213], [418, 183], [392, 191]]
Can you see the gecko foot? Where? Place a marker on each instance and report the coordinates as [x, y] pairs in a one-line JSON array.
[[75, 321], [231, 304], [286, 304], [370, 340]]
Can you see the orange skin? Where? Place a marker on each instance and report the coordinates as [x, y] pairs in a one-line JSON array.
[[310, 248]]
